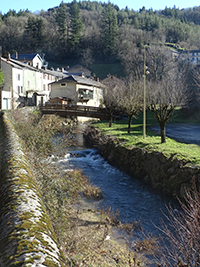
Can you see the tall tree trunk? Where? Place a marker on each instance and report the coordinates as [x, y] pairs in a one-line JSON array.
[[129, 124], [111, 119], [163, 132]]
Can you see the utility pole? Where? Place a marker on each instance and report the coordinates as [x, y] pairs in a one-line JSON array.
[[144, 95], [144, 98]]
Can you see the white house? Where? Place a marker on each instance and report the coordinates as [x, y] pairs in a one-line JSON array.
[[193, 56], [33, 60], [13, 87], [26, 81], [79, 89]]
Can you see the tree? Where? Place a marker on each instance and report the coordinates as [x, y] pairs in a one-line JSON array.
[[167, 88], [165, 95], [111, 96], [132, 60], [183, 233], [35, 33], [131, 98], [61, 20], [109, 29], [76, 24]]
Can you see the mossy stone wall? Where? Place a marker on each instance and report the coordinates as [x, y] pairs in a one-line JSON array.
[[168, 175], [26, 234]]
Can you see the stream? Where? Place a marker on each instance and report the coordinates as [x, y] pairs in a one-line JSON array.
[[125, 194]]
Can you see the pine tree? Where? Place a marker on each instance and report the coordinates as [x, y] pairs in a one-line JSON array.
[[109, 29], [61, 19], [35, 33], [76, 24], [62, 23]]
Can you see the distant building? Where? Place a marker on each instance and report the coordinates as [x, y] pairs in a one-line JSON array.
[[111, 81], [193, 56], [78, 70]]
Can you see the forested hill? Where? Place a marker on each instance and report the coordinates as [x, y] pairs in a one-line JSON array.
[[92, 31]]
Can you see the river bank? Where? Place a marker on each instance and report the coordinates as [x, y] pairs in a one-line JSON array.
[[85, 237], [165, 173]]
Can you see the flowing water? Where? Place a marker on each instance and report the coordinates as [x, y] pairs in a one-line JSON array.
[[134, 200]]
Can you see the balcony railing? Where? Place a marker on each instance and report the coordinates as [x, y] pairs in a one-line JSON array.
[[85, 96]]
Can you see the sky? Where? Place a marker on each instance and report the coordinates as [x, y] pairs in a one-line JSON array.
[[37, 5]]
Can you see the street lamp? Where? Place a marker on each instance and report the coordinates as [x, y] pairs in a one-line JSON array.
[[144, 96]]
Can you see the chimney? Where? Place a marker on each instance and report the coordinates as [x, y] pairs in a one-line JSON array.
[[16, 55]]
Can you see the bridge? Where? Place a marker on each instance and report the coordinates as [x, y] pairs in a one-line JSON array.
[[75, 111]]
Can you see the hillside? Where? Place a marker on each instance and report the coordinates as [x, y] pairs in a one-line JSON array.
[[79, 31]]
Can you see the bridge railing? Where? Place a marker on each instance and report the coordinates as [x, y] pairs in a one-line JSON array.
[[71, 107]]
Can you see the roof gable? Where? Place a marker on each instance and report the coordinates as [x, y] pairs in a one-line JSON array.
[[79, 80], [25, 56], [79, 69]]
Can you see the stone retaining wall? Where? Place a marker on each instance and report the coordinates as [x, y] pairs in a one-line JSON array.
[[166, 174], [26, 234]]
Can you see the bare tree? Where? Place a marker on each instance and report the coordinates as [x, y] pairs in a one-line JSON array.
[[160, 61], [164, 96], [196, 83], [86, 57], [132, 59], [183, 233], [111, 98], [131, 95], [167, 88]]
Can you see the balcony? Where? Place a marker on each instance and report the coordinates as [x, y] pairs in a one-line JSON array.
[[85, 97]]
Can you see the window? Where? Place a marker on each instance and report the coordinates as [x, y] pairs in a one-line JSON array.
[[18, 77], [18, 89], [85, 93], [44, 87], [63, 84]]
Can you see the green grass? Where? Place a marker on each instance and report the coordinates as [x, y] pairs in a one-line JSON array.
[[152, 142], [178, 117]]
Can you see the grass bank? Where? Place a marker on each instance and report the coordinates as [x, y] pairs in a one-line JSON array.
[[187, 152]]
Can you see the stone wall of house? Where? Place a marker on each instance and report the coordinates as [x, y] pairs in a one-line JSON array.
[[26, 234], [169, 175]]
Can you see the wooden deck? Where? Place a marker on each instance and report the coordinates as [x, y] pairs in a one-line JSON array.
[[75, 111]]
